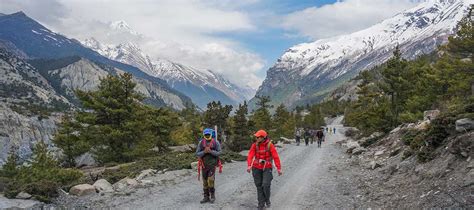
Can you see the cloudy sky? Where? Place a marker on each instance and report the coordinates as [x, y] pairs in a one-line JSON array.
[[238, 38]]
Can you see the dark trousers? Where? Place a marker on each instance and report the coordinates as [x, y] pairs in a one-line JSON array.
[[319, 141], [262, 179], [306, 141], [208, 178]]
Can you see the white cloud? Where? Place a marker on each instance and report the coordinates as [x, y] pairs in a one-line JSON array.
[[178, 30], [342, 17]]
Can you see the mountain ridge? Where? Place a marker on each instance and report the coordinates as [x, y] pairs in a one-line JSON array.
[[307, 72], [36, 41]]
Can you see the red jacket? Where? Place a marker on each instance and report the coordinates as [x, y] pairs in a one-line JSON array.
[[263, 153]]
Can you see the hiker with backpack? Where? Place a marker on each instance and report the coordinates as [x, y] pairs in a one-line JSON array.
[[320, 135], [260, 160], [307, 136], [208, 151], [298, 136]]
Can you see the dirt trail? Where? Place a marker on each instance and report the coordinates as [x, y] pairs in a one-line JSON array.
[[313, 178]]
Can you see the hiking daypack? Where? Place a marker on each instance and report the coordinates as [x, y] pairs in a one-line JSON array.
[[298, 133], [201, 162]]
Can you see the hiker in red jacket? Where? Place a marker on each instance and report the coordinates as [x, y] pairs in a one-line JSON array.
[[260, 159]]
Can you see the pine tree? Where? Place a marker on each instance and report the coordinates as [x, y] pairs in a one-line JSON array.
[[261, 116], [192, 119], [288, 128], [115, 124], [42, 158], [69, 141], [10, 168], [280, 120], [314, 119], [241, 134], [217, 114], [395, 84]]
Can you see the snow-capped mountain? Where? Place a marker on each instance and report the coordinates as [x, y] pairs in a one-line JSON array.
[[308, 71], [200, 85], [30, 39], [122, 26]]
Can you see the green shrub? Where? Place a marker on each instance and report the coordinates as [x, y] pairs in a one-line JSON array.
[[42, 190], [42, 178], [425, 154], [409, 135]]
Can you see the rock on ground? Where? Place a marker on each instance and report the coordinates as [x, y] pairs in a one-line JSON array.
[[145, 173], [463, 125], [82, 189], [125, 183], [6, 203], [103, 185], [23, 195]]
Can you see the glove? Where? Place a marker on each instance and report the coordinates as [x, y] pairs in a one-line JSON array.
[[249, 168], [280, 173]]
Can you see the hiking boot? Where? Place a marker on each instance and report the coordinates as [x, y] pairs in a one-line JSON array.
[[268, 204], [205, 199], [206, 196], [213, 197]]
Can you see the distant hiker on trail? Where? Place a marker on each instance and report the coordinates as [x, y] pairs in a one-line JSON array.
[[313, 135], [208, 151], [298, 136], [334, 130], [307, 135], [320, 135], [260, 159]]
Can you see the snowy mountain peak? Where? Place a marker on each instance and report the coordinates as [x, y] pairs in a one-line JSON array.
[[122, 26], [201, 85], [308, 70], [424, 20]]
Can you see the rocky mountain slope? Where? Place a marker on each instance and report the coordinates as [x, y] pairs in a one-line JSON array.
[[308, 71], [394, 177], [201, 85], [32, 95], [38, 42], [24, 96]]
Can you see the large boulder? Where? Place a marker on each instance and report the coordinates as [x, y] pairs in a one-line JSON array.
[[465, 124], [125, 183], [351, 146], [431, 114], [23, 195], [103, 185], [82, 189]]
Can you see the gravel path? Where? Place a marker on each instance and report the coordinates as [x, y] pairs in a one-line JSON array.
[[312, 178]]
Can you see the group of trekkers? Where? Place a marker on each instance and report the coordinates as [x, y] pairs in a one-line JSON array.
[[310, 135], [261, 157]]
